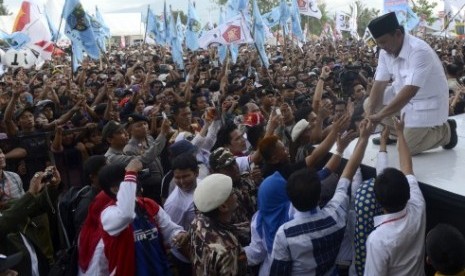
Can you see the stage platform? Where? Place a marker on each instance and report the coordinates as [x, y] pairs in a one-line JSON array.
[[441, 174], [439, 168]]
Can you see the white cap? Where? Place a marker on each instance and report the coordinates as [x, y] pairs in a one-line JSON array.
[[212, 191], [298, 129]]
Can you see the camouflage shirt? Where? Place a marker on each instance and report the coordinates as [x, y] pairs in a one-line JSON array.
[[246, 193], [215, 250]]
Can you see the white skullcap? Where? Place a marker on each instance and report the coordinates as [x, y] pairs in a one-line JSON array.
[[298, 129], [212, 191]]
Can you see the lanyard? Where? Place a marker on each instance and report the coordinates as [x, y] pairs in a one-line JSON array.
[[392, 220]]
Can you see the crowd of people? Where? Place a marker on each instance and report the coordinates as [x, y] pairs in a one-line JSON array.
[[133, 166]]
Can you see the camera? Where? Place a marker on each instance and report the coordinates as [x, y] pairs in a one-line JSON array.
[[48, 175]]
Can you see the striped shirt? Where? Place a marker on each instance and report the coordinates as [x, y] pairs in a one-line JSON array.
[[11, 187]]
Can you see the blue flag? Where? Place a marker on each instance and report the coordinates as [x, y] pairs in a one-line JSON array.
[[78, 28], [259, 34], [16, 40], [295, 18], [154, 27], [176, 45], [284, 14], [194, 28], [166, 24], [101, 30], [271, 18], [180, 29], [222, 50], [53, 29]]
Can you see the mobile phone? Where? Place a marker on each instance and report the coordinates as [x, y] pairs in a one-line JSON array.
[[163, 114], [278, 112]]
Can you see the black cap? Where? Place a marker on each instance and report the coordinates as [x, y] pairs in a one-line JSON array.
[[7, 262], [111, 128], [20, 111], [134, 118], [180, 147], [384, 24], [266, 91]]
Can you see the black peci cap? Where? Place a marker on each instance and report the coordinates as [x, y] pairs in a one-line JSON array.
[[384, 24]]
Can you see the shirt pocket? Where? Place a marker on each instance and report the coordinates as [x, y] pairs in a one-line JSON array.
[[426, 104]]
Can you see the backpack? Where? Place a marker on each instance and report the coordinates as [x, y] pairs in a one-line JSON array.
[[67, 261], [67, 206]]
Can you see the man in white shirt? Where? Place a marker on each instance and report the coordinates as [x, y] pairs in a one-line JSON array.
[[420, 85], [396, 246]]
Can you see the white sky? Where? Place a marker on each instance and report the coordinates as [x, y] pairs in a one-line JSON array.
[[206, 9]]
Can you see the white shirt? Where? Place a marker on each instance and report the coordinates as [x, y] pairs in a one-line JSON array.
[[396, 246], [418, 65]]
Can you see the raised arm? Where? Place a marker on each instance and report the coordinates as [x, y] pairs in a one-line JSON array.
[[405, 158], [366, 128]]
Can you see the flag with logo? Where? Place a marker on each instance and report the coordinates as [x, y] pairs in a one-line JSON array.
[[79, 30], [310, 8], [194, 28], [32, 22], [180, 29], [234, 31], [259, 34], [284, 14]]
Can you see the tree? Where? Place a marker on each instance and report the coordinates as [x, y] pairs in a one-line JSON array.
[[425, 8], [315, 26], [3, 9], [182, 14], [364, 16]]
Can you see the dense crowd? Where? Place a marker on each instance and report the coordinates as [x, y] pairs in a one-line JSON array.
[[231, 161]]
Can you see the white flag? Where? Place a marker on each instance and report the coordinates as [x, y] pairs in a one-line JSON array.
[[343, 21], [309, 7], [233, 31]]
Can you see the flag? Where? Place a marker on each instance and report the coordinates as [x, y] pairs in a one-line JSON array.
[[32, 22], [193, 28], [234, 31], [53, 29], [342, 21], [166, 25], [259, 34], [16, 40], [79, 30], [284, 14], [101, 30], [368, 38], [310, 8], [154, 27], [353, 22], [180, 29], [271, 18], [176, 44], [295, 19], [222, 49], [237, 5]]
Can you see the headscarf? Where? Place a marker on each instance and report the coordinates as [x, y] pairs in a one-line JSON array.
[[273, 207]]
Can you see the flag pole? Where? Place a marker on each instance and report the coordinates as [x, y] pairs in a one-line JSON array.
[[146, 23]]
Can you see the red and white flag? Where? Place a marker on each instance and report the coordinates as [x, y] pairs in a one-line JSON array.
[[309, 7], [32, 21]]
